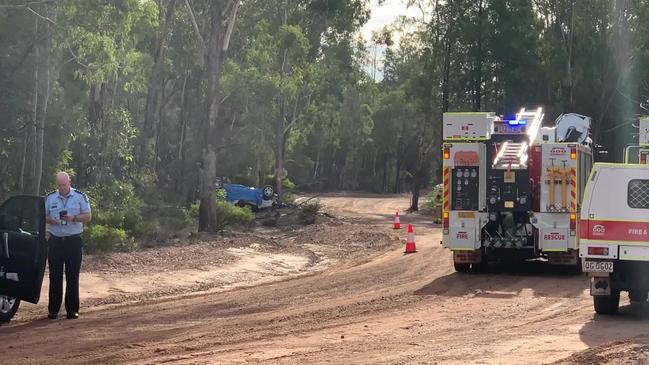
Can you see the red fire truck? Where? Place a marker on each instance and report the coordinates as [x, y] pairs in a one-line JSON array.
[[512, 187]]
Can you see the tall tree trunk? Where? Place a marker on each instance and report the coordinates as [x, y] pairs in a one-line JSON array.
[[281, 118], [207, 207], [384, 185], [44, 65], [34, 119], [397, 179], [446, 78], [477, 86], [217, 46], [279, 164], [416, 187], [158, 131], [80, 167], [258, 178], [23, 163], [156, 84], [181, 137], [96, 119], [316, 166], [570, 81]]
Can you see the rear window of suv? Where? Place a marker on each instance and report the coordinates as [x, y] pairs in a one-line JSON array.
[[638, 194]]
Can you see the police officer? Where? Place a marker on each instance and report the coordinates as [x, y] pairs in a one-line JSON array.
[[67, 210]]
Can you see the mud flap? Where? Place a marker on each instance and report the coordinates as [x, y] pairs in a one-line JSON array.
[[467, 257], [600, 286], [564, 258]]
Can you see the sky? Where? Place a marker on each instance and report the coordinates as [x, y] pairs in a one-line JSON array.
[[385, 14], [381, 16]]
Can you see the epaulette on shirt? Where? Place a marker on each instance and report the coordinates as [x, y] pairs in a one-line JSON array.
[[50, 193], [82, 193]]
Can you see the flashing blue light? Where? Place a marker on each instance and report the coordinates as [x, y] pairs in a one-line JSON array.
[[517, 122]]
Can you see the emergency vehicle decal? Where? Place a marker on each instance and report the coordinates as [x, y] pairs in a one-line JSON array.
[[467, 158], [573, 190], [554, 236], [557, 151], [447, 189], [605, 230]]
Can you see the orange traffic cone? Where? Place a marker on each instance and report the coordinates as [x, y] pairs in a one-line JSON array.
[[397, 221], [410, 241]]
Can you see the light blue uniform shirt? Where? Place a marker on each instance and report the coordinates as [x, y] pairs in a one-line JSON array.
[[74, 203]]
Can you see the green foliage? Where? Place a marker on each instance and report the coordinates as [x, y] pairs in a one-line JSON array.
[[193, 209], [220, 194], [116, 207], [100, 238], [288, 197], [114, 195], [309, 212], [247, 180], [433, 203], [230, 216], [173, 219], [176, 223]]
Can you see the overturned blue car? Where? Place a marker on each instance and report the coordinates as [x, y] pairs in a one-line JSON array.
[[256, 198]]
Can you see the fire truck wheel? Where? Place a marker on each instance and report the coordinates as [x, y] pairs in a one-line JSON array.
[[461, 267], [607, 304]]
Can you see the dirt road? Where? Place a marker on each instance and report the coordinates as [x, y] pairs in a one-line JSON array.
[[381, 307]]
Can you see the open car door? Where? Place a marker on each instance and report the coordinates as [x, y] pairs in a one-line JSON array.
[[23, 249]]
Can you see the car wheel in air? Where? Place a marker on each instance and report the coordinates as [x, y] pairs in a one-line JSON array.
[[268, 192]]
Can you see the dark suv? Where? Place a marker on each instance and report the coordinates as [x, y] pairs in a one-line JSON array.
[[23, 252]]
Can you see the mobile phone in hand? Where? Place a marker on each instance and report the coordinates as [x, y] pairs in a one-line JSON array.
[[62, 214]]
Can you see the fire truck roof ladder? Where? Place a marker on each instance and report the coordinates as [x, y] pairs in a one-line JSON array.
[[513, 155]]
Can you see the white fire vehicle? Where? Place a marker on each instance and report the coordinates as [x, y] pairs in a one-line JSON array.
[[614, 230], [511, 187]]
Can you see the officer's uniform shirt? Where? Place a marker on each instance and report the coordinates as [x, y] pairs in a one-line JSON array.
[[74, 203]]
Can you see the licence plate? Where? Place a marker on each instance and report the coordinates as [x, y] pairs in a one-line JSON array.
[[598, 266], [466, 215]]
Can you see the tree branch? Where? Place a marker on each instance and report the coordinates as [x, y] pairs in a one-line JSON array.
[[196, 28], [38, 15], [231, 21], [18, 6], [297, 118], [28, 8]]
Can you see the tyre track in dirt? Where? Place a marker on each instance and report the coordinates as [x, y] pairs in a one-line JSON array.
[[385, 308]]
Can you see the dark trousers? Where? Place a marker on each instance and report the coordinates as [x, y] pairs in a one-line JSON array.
[[64, 253]]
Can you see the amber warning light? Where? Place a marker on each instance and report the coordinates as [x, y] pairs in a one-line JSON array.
[[445, 222]]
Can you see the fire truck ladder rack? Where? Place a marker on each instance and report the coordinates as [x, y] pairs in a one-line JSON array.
[[513, 155]]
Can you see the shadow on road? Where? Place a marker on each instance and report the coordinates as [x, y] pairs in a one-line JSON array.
[[32, 324], [631, 321], [501, 281]]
